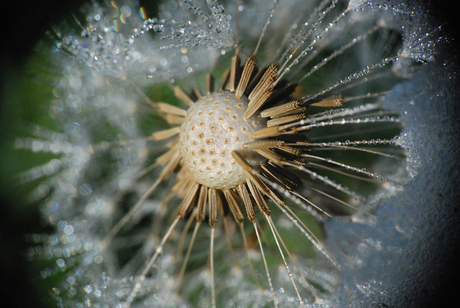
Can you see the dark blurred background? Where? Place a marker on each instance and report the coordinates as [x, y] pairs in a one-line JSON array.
[[23, 23]]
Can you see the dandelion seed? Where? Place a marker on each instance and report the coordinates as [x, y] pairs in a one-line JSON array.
[[252, 161]]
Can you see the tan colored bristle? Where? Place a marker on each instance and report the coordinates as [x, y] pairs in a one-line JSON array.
[[233, 72], [281, 109], [171, 165], [174, 120], [170, 109], [166, 157], [256, 194], [263, 144], [187, 202], [288, 113], [201, 206], [262, 91], [266, 132], [165, 134], [234, 206], [225, 78], [213, 205], [197, 92], [244, 195], [180, 94], [286, 119], [272, 156], [331, 101], [290, 150], [245, 76]]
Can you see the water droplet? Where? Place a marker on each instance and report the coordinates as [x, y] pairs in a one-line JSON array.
[[85, 189]]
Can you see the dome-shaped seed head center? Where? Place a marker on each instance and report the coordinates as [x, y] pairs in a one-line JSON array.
[[213, 128]]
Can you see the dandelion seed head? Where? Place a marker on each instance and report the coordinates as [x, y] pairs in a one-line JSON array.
[[213, 128]]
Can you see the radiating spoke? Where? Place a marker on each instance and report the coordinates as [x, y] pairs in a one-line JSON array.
[[108, 238], [273, 228], [138, 284], [187, 256], [275, 300]]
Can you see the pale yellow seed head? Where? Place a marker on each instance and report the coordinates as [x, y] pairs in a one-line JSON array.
[[210, 133]]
